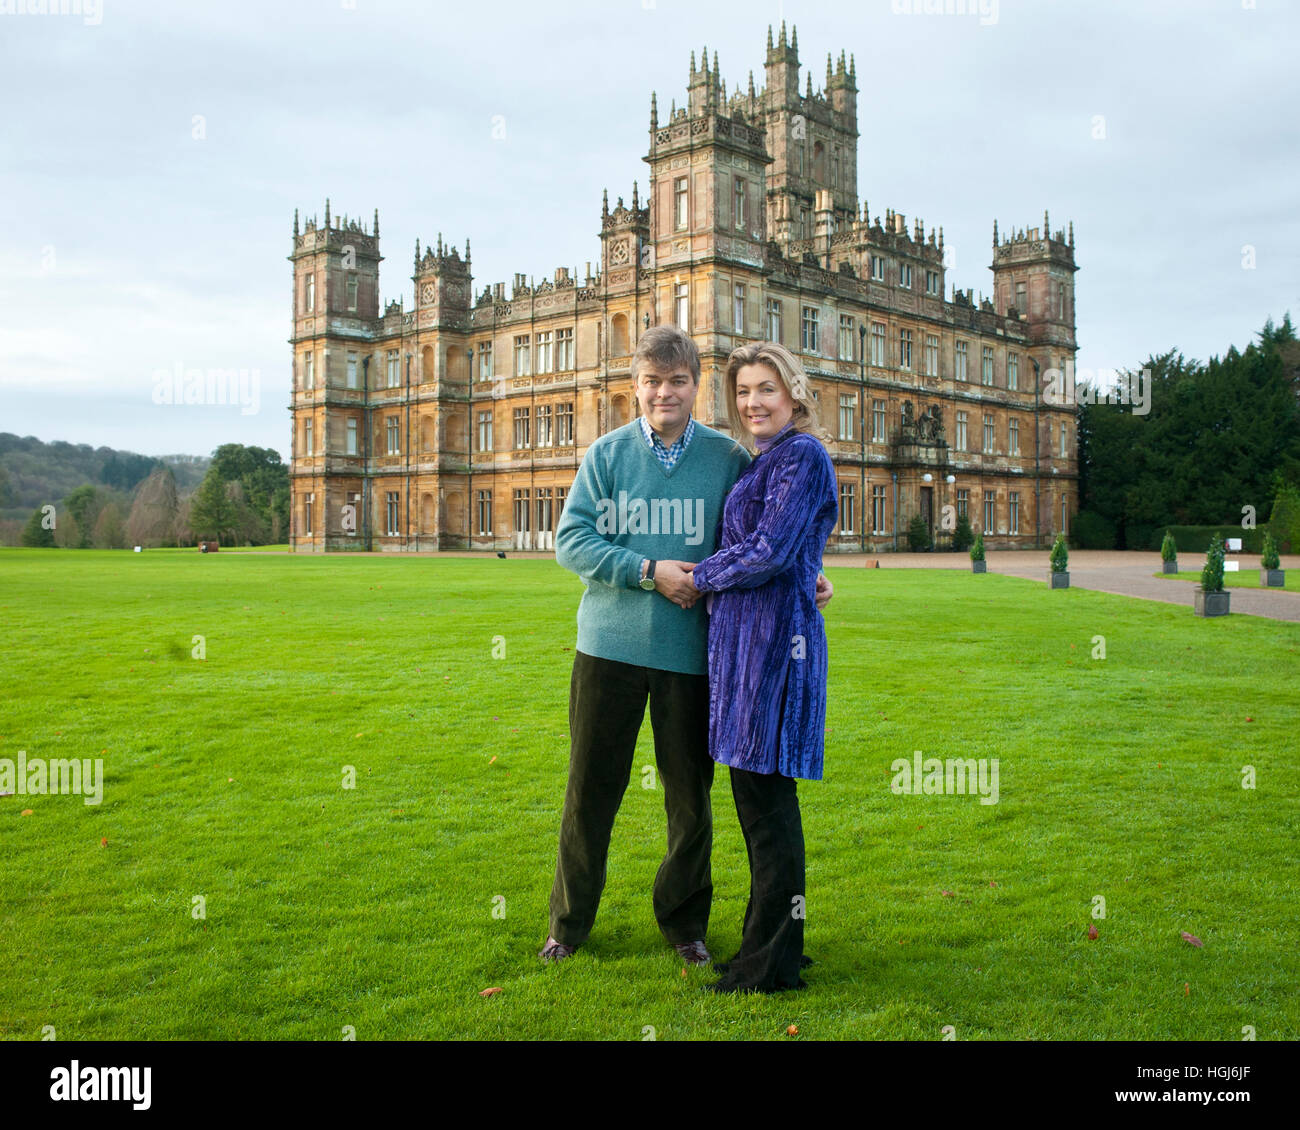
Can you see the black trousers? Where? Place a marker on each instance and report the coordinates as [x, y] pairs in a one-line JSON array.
[[606, 707], [771, 948]]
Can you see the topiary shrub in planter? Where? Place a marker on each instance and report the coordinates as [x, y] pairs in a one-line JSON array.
[[1169, 553], [977, 562], [1060, 556], [918, 535], [962, 536], [1212, 599], [1271, 573]]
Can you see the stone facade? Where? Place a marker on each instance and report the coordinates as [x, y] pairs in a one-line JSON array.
[[461, 423]]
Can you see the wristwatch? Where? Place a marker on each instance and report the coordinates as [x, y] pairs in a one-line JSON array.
[[648, 581]]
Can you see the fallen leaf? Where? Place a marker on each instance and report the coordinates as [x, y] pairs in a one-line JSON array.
[[992, 883], [25, 812], [1191, 939], [494, 757], [946, 894], [1187, 989], [229, 780], [103, 841], [683, 971], [1092, 934], [1249, 719], [793, 1030], [490, 992]]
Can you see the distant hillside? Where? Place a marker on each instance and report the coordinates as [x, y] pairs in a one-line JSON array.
[[33, 473]]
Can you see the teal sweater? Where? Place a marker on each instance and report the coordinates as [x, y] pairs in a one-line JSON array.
[[625, 506]]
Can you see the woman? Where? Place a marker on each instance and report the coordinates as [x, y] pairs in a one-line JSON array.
[[767, 650]]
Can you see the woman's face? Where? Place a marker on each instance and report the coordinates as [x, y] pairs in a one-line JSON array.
[[762, 400]]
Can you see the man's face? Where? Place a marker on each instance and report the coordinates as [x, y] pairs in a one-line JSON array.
[[666, 397]]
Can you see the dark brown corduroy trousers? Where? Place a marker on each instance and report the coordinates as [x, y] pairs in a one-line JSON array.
[[606, 707]]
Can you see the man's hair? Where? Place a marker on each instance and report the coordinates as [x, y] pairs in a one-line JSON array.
[[666, 348], [789, 373]]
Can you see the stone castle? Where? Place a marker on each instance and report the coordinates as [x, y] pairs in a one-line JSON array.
[[460, 424]]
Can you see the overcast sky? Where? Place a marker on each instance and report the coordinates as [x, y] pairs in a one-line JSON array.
[[153, 154]]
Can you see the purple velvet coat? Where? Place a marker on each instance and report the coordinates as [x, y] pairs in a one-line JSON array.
[[767, 642]]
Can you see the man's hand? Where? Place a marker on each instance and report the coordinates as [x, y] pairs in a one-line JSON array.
[[673, 580], [825, 590]]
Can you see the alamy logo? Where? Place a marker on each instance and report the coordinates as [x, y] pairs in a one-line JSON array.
[[99, 1084], [62, 775], [955, 776], [678, 516]]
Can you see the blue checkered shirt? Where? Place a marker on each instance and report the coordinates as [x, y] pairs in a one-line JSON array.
[[667, 455]]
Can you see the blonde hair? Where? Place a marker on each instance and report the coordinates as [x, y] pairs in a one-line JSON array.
[[791, 375]]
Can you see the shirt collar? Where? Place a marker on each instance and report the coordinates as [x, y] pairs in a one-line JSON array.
[[652, 437]]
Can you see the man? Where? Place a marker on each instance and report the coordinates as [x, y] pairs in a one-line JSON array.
[[647, 500]]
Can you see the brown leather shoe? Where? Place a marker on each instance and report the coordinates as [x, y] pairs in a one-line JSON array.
[[693, 952], [556, 951]]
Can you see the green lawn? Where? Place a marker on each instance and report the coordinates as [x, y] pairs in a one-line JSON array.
[[373, 907], [1242, 579]]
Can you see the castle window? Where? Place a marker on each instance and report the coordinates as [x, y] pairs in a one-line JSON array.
[[544, 353], [543, 425], [485, 432], [680, 193], [846, 337], [352, 437], [1013, 437], [904, 349], [564, 350], [485, 361], [878, 344], [394, 525], [848, 402], [878, 510], [805, 227], [1064, 453], [835, 169], [738, 308], [545, 511], [306, 437], [484, 498], [306, 514], [1015, 511], [1013, 371], [352, 369], [905, 275], [774, 320], [521, 427], [846, 508], [309, 293], [931, 282], [564, 423], [877, 421], [961, 356], [308, 374], [810, 329], [986, 366], [1022, 299], [394, 436], [681, 306], [961, 432], [1060, 293], [989, 519], [963, 504], [394, 377], [523, 363], [988, 435], [738, 207], [521, 511], [352, 291], [878, 268], [931, 355]]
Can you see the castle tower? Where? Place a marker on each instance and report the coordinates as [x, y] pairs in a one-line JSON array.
[[1033, 272], [813, 139]]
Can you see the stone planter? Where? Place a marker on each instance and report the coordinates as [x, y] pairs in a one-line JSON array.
[[1272, 578], [1171, 566], [979, 566], [1060, 580], [1211, 603]]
